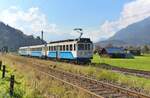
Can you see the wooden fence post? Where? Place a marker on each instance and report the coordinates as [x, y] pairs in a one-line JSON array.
[[12, 81], [0, 65], [4, 69]]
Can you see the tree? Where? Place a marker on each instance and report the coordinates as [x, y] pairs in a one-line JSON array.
[[146, 49], [5, 49], [97, 49]]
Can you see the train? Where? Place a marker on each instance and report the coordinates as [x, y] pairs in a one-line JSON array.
[[73, 50]]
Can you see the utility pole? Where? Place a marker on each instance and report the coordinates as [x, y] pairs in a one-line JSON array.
[[42, 34]]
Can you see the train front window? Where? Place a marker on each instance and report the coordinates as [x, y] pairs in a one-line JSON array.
[[88, 46], [80, 46]]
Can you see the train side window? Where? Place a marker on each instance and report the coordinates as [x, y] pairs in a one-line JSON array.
[[54, 48], [60, 47], [67, 47], [88, 46], [74, 47], [34, 49], [57, 47], [49, 48], [70, 47], [63, 47], [40, 49]]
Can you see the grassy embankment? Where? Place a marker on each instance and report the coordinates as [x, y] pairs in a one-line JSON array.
[[45, 87], [32, 84], [139, 62], [127, 81]]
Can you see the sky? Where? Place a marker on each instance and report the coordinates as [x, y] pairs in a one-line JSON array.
[[99, 19]]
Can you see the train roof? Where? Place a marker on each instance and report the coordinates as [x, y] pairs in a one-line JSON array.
[[35, 46], [24, 47], [81, 40], [71, 40]]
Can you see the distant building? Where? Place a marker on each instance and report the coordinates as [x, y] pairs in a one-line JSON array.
[[115, 52], [136, 52]]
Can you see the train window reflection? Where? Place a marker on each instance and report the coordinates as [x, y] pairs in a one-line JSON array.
[[67, 47], [74, 47], [88, 46], [70, 47], [63, 47], [80, 46]]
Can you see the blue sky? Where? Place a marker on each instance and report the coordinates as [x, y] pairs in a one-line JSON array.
[[68, 14], [72, 12]]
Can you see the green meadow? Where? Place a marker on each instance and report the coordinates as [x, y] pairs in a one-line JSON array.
[[139, 62]]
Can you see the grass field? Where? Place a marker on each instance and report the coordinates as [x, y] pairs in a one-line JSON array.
[[139, 62]]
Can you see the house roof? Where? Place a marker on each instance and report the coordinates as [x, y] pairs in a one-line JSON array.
[[115, 50]]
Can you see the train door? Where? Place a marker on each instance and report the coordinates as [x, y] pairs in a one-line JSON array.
[[44, 51], [57, 52], [28, 51]]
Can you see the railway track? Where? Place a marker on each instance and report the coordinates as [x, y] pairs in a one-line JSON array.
[[97, 89], [139, 73]]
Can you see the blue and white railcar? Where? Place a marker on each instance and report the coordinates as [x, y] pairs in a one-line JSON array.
[[24, 51], [80, 50], [37, 51]]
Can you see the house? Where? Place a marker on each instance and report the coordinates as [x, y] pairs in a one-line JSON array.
[[115, 52]]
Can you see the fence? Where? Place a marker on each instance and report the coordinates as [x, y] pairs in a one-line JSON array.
[[12, 78]]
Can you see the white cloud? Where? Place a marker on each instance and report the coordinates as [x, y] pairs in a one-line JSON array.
[[29, 21], [132, 12], [33, 20]]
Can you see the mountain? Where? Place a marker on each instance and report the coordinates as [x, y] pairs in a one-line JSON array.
[[134, 34], [14, 38], [112, 42]]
